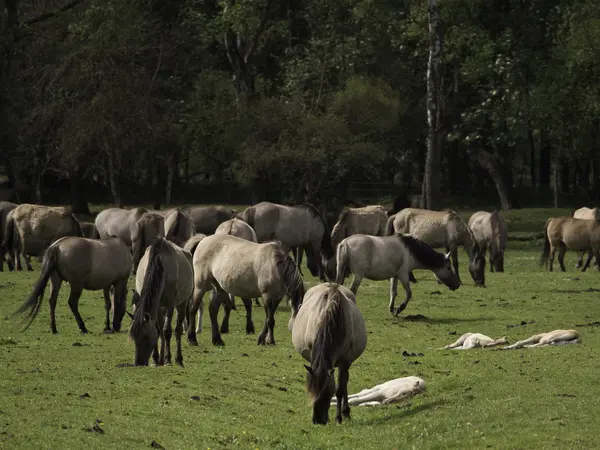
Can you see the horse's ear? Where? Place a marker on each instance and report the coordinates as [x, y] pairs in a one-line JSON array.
[[130, 315], [308, 369]]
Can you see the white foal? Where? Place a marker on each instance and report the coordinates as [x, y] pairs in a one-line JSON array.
[[475, 340], [388, 392], [556, 337]]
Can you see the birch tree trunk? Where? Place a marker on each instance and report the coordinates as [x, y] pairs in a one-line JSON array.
[[431, 179]]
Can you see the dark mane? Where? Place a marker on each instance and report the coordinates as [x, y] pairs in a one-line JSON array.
[[326, 246], [292, 280], [422, 251], [175, 230]]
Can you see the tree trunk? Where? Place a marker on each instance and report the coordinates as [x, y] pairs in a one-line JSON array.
[[115, 185], [545, 159], [492, 165], [532, 165], [79, 204], [565, 176], [431, 180], [556, 183], [171, 167], [154, 181]]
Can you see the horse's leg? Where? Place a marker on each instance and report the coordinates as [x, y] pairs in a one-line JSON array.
[[406, 286], [267, 336], [74, 305], [181, 315], [232, 300], [411, 277], [256, 302], [341, 393], [213, 310], [27, 259], [580, 260], [299, 250], [226, 313], [197, 306], [587, 262], [393, 292], [107, 307], [552, 254], [356, 283], [168, 332], [562, 249], [454, 258], [56, 283], [249, 323], [156, 355]]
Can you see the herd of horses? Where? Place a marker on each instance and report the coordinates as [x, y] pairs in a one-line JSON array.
[[180, 254]]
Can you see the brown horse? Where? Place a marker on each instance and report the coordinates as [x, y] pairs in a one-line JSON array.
[[179, 226], [489, 230], [588, 214], [562, 233], [206, 219]]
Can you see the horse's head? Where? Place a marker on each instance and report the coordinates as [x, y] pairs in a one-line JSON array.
[[446, 275], [322, 388], [477, 268], [330, 266], [145, 338]]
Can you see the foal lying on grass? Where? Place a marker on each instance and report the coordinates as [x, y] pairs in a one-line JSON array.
[[385, 393], [475, 340], [556, 337]]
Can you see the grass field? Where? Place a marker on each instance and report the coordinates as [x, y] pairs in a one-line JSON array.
[[73, 391]]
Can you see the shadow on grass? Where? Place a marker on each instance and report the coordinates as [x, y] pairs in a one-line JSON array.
[[425, 319], [398, 414]]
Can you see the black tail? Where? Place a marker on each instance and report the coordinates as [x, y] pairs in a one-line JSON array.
[[330, 337], [34, 301], [291, 279], [546, 251], [389, 228]]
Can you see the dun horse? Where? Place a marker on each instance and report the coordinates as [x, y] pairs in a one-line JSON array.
[[444, 229], [206, 219], [31, 229], [391, 258], [562, 233], [245, 269], [329, 331], [300, 226], [12, 246], [164, 282], [179, 226], [5, 209], [89, 264], [489, 230], [588, 214]]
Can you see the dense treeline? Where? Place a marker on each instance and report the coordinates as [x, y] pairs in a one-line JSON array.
[[290, 100]]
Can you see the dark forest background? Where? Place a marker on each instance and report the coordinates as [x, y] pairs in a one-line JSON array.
[[239, 101]]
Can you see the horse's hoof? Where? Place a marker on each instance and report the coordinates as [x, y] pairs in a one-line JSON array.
[[218, 342], [193, 342], [250, 330], [179, 362], [224, 330], [54, 331], [108, 330], [84, 331]]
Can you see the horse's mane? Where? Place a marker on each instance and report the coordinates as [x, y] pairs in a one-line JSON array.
[[153, 279], [422, 251], [77, 225], [326, 245], [290, 275], [330, 336], [340, 223], [178, 219], [193, 242]]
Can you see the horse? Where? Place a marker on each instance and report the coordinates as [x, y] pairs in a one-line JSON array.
[[589, 214], [489, 230], [5, 209], [89, 230], [12, 246], [556, 337], [90, 264], [31, 229], [475, 340], [386, 393], [300, 226], [235, 227], [164, 282], [391, 258], [245, 269], [207, 218], [370, 220], [441, 229], [179, 226], [562, 233], [328, 331]]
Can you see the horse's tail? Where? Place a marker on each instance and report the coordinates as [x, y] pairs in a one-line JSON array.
[[546, 250], [193, 242], [152, 287], [173, 231], [294, 285], [330, 337], [341, 259], [34, 302], [389, 228]]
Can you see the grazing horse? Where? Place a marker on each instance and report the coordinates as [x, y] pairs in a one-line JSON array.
[[562, 233], [164, 282], [179, 226], [300, 226], [329, 331], [231, 265], [207, 218], [475, 340], [5, 209], [89, 230], [556, 337], [386, 393], [444, 229], [589, 214], [33, 228], [489, 230], [391, 258], [90, 264]]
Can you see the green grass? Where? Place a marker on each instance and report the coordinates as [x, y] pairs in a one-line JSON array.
[[247, 396]]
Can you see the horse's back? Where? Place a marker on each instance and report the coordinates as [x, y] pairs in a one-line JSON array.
[[41, 225], [118, 222], [206, 219], [575, 233], [292, 225], [587, 213]]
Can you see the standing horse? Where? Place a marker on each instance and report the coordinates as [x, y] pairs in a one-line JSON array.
[[489, 230], [179, 226], [391, 258], [12, 246], [562, 233], [370, 220], [207, 218], [300, 226], [444, 229], [90, 264], [329, 331], [33, 228], [5, 209], [164, 282], [229, 264], [588, 214], [89, 230]]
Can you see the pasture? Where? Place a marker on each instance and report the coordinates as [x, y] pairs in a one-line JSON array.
[[71, 390]]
